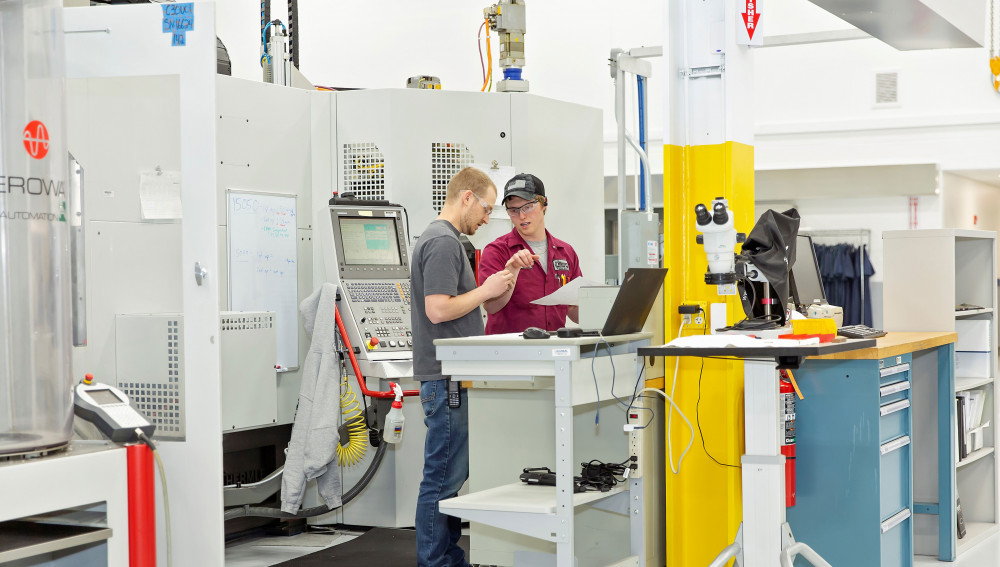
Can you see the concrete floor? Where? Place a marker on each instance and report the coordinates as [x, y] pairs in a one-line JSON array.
[[267, 551]]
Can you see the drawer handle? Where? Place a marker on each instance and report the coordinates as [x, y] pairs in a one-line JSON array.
[[893, 407], [898, 369], [895, 519], [897, 443], [893, 388]]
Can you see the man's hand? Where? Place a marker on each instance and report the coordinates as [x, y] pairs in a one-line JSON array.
[[521, 259], [498, 283]]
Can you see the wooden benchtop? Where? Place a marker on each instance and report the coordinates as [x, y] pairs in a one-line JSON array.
[[894, 344]]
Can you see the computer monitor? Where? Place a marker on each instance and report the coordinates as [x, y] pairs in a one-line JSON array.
[[807, 282], [370, 241]]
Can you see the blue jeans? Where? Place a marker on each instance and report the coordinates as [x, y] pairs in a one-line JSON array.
[[446, 467]]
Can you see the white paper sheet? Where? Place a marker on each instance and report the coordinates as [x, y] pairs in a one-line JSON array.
[[568, 294], [500, 175], [160, 195]]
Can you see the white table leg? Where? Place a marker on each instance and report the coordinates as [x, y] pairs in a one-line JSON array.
[[565, 465]]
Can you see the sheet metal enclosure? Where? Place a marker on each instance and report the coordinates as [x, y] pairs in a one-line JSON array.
[[308, 144]]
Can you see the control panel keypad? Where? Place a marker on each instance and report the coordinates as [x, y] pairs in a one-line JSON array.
[[382, 311]]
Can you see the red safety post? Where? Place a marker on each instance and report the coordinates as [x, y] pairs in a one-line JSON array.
[[141, 507]]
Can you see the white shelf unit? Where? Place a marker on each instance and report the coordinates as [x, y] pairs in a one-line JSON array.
[[536, 406], [928, 273]]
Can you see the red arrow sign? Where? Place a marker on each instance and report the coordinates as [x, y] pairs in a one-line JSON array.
[[751, 17]]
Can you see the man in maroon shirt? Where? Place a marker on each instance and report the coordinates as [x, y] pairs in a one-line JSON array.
[[538, 262]]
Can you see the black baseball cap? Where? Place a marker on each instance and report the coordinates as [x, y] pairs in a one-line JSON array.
[[525, 186]]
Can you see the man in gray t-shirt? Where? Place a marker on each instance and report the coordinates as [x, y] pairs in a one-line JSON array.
[[445, 303]]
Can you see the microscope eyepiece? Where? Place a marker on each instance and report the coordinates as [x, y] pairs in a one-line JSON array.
[[701, 215], [719, 213]]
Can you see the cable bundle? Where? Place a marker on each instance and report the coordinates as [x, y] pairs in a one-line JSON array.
[[598, 476]]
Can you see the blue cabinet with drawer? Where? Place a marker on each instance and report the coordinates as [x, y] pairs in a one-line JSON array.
[[854, 493]]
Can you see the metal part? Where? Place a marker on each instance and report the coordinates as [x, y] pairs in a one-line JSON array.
[[77, 252], [640, 245], [200, 274], [622, 62], [423, 82], [254, 492], [509, 20], [275, 57], [699, 72]]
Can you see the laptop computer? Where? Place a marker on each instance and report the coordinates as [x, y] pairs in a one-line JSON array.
[[633, 303]]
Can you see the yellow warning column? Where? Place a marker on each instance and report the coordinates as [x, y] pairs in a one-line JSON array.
[[709, 154]]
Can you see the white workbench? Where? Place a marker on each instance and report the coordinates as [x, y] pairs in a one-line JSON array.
[[86, 482], [533, 404]]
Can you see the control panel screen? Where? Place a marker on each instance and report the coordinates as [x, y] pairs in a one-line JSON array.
[[105, 397], [370, 241]]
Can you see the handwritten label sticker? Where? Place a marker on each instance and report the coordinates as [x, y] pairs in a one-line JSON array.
[[178, 19]]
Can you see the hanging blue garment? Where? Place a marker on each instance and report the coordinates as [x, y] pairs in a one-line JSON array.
[[846, 270]]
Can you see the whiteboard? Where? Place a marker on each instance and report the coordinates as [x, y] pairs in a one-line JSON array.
[[263, 264]]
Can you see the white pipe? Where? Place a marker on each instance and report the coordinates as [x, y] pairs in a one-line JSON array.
[[635, 120], [798, 548], [645, 161], [731, 551], [619, 115], [649, 173]]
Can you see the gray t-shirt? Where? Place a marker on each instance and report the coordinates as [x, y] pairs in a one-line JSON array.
[[439, 267], [541, 248]]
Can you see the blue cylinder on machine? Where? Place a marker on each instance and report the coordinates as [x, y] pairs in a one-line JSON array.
[[512, 73]]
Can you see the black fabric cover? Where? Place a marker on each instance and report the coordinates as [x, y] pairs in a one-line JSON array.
[[771, 248]]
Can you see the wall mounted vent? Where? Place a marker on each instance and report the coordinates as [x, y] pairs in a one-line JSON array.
[[447, 159], [886, 88], [364, 171]]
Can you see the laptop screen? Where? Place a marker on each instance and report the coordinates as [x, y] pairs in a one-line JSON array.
[[807, 282], [635, 299]]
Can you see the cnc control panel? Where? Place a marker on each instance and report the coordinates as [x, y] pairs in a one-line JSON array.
[[381, 309], [366, 256]]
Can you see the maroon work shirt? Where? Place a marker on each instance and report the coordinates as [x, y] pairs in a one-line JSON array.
[[532, 283]]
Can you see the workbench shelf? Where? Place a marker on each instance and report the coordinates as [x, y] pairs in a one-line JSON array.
[[526, 509], [963, 384], [971, 312], [975, 456]]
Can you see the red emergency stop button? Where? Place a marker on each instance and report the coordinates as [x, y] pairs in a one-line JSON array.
[[372, 343]]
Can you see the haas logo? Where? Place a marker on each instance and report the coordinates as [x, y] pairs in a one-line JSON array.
[[36, 139]]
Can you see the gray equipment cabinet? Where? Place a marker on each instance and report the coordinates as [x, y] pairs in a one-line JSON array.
[[534, 404], [946, 280]]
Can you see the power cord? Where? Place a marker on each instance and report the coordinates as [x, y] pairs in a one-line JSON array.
[[599, 476], [593, 372], [697, 412], [670, 410], [163, 484]]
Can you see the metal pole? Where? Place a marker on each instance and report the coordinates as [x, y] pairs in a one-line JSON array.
[[620, 116], [641, 87]]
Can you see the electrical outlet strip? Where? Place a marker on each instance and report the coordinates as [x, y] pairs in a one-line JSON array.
[[636, 418]]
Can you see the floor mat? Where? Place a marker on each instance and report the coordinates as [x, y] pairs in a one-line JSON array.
[[379, 547], [302, 540]]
